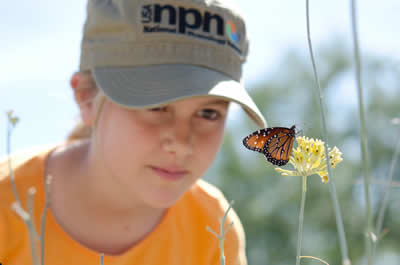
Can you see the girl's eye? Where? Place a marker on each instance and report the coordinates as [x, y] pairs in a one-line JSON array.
[[158, 109], [209, 114]]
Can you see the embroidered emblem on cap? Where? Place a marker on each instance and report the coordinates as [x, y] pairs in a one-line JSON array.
[[167, 18]]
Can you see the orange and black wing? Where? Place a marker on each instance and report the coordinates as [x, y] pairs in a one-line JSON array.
[[279, 146], [275, 143], [256, 141]]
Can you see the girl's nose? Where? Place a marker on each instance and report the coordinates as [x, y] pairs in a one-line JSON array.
[[177, 138]]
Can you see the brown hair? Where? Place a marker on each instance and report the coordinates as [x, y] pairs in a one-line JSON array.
[[83, 83]]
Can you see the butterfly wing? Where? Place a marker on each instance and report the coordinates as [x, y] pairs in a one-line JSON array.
[[275, 143], [256, 140], [278, 147]]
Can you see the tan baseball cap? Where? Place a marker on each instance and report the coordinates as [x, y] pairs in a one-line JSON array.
[[145, 53]]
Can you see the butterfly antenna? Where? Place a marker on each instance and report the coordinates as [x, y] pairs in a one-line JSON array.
[[299, 132]]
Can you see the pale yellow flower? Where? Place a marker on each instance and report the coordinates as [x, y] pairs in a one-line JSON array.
[[309, 158], [12, 118]]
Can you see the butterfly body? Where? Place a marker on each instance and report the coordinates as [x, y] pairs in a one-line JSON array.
[[275, 143]]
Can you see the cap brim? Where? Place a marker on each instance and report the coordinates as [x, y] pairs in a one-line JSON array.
[[149, 86]]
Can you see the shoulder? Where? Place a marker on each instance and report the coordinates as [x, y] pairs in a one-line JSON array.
[[20, 158], [209, 200], [26, 166], [208, 197], [207, 205]]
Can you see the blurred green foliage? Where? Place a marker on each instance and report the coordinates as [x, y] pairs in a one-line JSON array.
[[268, 204]]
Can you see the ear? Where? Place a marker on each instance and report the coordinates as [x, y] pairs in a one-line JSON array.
[[84, 92]]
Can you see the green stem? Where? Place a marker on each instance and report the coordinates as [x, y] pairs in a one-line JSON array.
[[388, 189], [31, 229], [332, 187], [301, 219], [27, 217], [30, 208], [221, 254], [102, 259], [363, 133], [315, 258], [43, 219], [12, 181], [221, 236]]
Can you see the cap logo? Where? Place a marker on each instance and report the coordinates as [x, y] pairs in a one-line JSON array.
[[191, 22], [231, 31]]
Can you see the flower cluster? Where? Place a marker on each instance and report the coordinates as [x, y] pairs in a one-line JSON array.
[[309, 158], [12, 118]]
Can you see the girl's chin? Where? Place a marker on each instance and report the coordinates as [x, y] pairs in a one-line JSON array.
[[164, 200]]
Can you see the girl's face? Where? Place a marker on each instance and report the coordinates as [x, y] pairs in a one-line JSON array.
[[152, 156]]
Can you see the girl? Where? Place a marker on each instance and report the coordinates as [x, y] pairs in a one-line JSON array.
[[153, 89]]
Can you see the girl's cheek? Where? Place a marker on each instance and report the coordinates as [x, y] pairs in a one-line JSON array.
[[212, 140]]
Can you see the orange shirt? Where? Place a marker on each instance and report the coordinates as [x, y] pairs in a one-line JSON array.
[[181, 237]]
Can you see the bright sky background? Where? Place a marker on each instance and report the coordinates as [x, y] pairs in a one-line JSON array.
[[40, 42]]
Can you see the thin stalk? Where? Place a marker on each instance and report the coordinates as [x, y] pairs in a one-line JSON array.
[[363, 133], [102, 259], [13, 186], [30, 208], [221, 236], [32, 232], [221, 250], [27, 217], [43, 218], [332, 187], [311, 257], [301, 219], [388, 189]]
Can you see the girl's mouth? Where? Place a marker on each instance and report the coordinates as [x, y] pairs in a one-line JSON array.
[[170, 173]]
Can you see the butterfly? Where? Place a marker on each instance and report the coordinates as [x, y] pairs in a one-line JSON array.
[[275, 143]]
